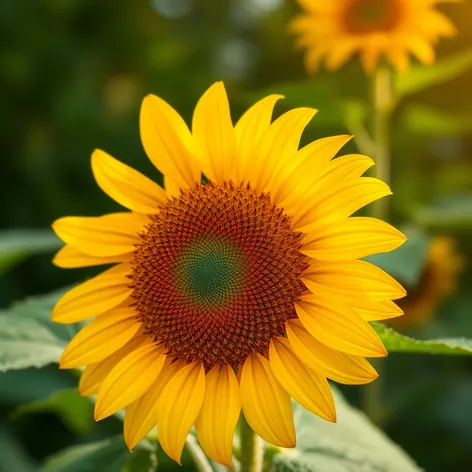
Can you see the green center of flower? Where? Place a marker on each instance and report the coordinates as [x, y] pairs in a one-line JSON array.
[[368, 16], [210, 271]]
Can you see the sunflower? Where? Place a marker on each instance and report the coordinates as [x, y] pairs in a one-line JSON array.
[[438, 281], [234, 291], [335, 30]]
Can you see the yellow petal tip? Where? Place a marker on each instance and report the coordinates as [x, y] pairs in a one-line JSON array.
[[57, 316], [100, 413], [130, 444]]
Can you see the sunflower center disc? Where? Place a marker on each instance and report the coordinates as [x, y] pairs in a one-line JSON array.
[[370, 16], [217, 273], [210, 271]]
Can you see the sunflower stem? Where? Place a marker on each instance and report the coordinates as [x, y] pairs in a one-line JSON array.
[[252, 448], [198, 456], [383, 104], [372, 398]]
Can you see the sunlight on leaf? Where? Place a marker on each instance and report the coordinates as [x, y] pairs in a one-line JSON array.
[[396, 342], [352, 443]]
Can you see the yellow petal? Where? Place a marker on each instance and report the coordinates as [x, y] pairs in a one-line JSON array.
[[439, 23], [141, 415], [422, 49], [126, 185], [109, 235], [352, 238], [336, 365], [338, 326], [266, 405], [94, 297], [248, 130], [219, 414], [399, 58], [302, 172], [307, 387], [375, 311], [370, 58], [347, 167], [278, 144], [100, 338], [178, 408], [129, 379], [69, 257], [340, 54], [94, 374], [167, 142], [337, 201], [171, 187], [213, 133], [352, 280]]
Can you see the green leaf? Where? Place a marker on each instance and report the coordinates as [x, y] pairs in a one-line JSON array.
[[421, 77], [406, 262], [351, 444], [27, 336], [14, 457], [75, 411], [428, 121], [143, 459], [396, 342], [103, 456], [109, 455], [15, 245], [453, 213], [28, 385]]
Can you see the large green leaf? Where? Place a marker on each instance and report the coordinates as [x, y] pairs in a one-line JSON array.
[[104, 456], [74, 410], [143, 459], [351, 444], [421, 77], [109, 455], [15, 245], [27, 336], [14, 457], [406, 262], [396, 342]]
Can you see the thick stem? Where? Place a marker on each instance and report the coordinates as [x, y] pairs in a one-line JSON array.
[[198, 456], [382, 108], [251, 448]]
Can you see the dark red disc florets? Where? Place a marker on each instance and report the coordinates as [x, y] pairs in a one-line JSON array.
[[217, 274]]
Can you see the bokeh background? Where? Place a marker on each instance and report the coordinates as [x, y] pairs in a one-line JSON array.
[[72, 76]]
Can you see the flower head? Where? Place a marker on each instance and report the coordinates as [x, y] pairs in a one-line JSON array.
[[236, 291], [335, 30]]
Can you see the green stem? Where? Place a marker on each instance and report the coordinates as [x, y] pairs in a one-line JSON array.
[[251, 448], [372, 402], [383, 106], [198, 456]]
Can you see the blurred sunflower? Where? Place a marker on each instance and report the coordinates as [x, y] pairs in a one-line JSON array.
[[235, 293], [335, 30], [438, 281]]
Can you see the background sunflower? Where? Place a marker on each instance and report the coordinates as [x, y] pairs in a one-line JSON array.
[[375, 29], [72, 77]]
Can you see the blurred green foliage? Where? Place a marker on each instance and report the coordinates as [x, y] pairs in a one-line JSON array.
[[72, 76]]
